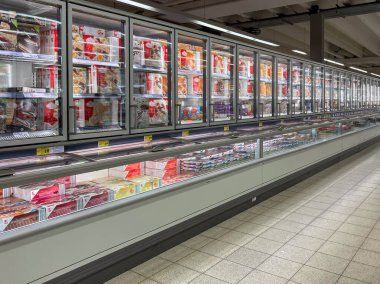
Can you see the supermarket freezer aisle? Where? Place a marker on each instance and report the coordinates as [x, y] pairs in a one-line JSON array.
[[325, 229]]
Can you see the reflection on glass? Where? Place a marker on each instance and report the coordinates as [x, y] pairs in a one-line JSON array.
[[297, 82], [191, 82], [98, 73], [151, 99], [222, 86], [266, 86], [335, 92], [308, 88], [328, 87], [356, 87], [283, 87], [342, 91], [30, 70], [318, 84], [349, 92], [246, 84]]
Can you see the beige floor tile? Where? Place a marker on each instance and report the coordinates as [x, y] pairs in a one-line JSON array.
[[147, 281], [326, 223], [371, 244], [248, 257], [375, 234], [317, 232], [219, 249], [176, 253], [251, 228], [306, 242], [362, 272], [299, 218], [367, 257], [346, 280], [151, 266], [334, 216], [275, 213], [293, 253], [277, 235], [264, 220], [215, 232], [199, 261], [317, 205], [263, 245], [309, 211], [289, 226], [347, 239], [244, 216], [328, 263], [361, 221], [129, 277], [280, 267], [339, 250], [257, 209], [260, 277], [342, 209], [205, 279], [230, 223], [197, 242], [174, 274], [354, 229], [236, 238], [228, 271], [310, 275]]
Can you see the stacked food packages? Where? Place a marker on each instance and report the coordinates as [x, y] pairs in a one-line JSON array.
[[221, 63], [19, 35], [190, 57], [150, 53], [246, 67], [266, 87]]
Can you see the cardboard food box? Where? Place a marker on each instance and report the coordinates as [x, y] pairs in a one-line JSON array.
[[58, 206], [162, 174], [182, 86], [163, 164], [120, 188], [79, 80], [90, 194], [18, 216], [8, 40], [153, 53], [40, 191], [147, 183], [96, 48], [127, 171], [77, 46]]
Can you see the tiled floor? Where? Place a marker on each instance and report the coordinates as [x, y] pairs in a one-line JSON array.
[[325, 229]]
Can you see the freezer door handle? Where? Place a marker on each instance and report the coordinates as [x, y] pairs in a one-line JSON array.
[[7, 172], [73, 118], [261, 111]]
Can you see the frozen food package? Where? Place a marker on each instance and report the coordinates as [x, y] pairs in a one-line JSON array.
[[158, 111], [25, 115], [19, 216], [5, 192], [68, 181], [93, 31], [108, 80], [96, 48], [48, 115], [115, 44], [79, 80], [196, 85], [58, 206], [154, 84], [8, 22], [120, 188], [221, 87], [39, 191], [163, 174], [146, 183], [10, 201], [218, 66], [153, 53], [191, 113], [138, 52], [28, 38], [77, 46], [89, 194], [163, 164], [49, 40], [127, 171], [182, 86]]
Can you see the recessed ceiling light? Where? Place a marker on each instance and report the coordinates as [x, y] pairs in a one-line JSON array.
[[334, 62], [137, 4], [299, 51], [357, 69]]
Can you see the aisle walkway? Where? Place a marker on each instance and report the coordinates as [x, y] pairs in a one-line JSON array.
[[325, 229]]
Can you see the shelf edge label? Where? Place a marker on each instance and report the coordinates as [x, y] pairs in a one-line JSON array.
[[42, 151], [148, 138], [103, 143], [185, 133], [226, 128]]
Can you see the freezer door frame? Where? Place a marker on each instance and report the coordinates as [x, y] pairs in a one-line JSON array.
[[255, 94], [234, 101], [302, 89], [260, 115], [289, 79], [177, 33], [314, 89], [72, 121], [62, 8], [132, 22], [324, 87]]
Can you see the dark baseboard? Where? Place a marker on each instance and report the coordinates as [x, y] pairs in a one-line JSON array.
[[118, 262]]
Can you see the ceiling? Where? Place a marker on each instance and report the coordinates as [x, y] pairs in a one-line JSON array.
[[354, 40], [352, 27]]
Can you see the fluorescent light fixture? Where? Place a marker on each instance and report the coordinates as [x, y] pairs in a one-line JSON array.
[[299, 51], [136, 4], [357, 69], [334, 62], [211, 26], [377, 75]]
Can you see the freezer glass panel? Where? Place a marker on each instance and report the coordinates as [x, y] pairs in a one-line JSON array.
[[283, 87], [378, 94], [191, 80], [246, 101], [342, 91], [266, 86], [308, 88], [349, 92], [222, 85], [360, 92], [373, 93], [297, 87], [98, 60], [30, 70], [152, 95], [328, 87], [355, 90], [318, 87], [335, 92]]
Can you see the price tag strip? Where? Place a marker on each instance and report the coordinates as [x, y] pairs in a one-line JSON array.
[[42, 151]]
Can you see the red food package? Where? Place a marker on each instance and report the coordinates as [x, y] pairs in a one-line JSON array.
[[58, 206], [37, 192], [19, 216], [50, 114], [197, 85], [162, 164]]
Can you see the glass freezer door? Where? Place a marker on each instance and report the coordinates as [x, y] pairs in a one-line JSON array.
[[30, 72], [283, 87], [191, 80], [266, 86], [151, 100], [348, 92], [308, 88], [342, 91], [98, 90], [222, 82], [246, 99], [297, 87], [328, 87], [335, 91], [318, 87]]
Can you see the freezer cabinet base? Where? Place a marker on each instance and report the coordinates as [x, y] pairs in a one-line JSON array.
[[120, 261]]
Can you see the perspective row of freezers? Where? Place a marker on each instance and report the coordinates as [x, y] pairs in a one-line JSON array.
[[132, 76]]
